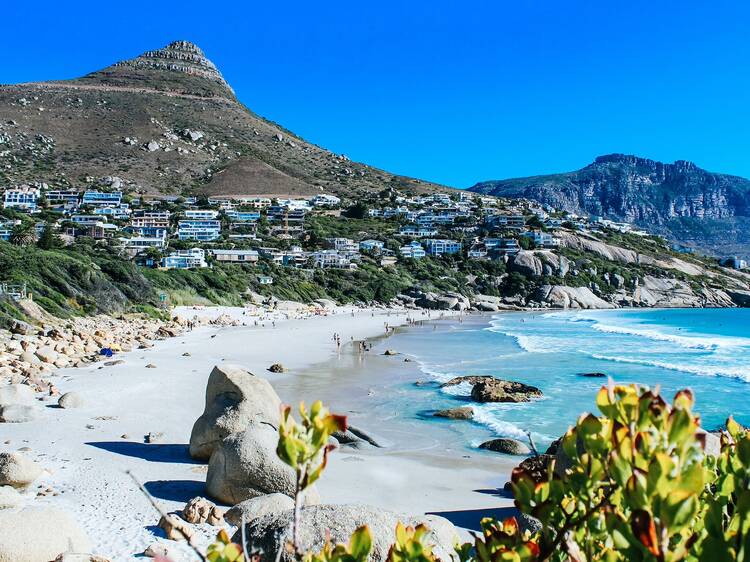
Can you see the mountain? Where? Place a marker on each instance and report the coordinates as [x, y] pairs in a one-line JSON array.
[[680, 201], [166, 122]]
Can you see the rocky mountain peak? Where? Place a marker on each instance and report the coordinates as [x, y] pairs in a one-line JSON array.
[[180, 57]]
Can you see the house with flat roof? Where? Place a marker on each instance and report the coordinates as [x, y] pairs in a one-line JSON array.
[[235, 256], [23, 198], [185, 259], [203, 230], [101, 198], [441, 247], [414, 250]]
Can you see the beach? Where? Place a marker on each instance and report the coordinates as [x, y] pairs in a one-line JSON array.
[[160, 391]]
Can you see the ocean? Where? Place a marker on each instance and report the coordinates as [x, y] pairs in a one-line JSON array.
[[707, 350]]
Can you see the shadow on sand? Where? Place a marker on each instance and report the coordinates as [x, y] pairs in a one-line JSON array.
[[180, 491], [470, 518], [154, 452]]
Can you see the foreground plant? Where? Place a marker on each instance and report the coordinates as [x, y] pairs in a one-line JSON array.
[[224, 550], [727, 513], [636, 484], [304, 446], [410, 545], [499, 541], [358, 549]]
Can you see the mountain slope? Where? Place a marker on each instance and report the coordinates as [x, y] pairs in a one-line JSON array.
[[681, 201], [166, 122]]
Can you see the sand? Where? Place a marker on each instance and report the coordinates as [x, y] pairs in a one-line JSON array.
[[88, 450]]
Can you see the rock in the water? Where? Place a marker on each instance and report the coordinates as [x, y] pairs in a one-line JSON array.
[[151, 366], [390, 352], [10, 498], [277, 368], [245, 465], [464, 413], [175, 529], [17, 395], [355, 437], [201, 510], [39, 535], [234, 397], [17, 470], [593, 375], [258, 507], [16, 413], [506, 445], [270, 533], [70, 400], [498, 390]]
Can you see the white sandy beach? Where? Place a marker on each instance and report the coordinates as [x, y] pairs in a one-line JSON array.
[[88, 450]]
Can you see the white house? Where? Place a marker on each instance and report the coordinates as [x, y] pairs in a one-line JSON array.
[[235, 256], [203, 230], [24, 198], [200, 214], [185, 259], [413, 250], [324, 200]]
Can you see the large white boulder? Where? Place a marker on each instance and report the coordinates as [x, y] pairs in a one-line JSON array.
[[234, 398], [39, 535], [270, 533], [17, 394], [245, 465], [258, 507], [17, 470]]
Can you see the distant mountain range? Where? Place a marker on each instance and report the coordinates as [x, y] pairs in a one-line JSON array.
[[680, 201], [166, 122]]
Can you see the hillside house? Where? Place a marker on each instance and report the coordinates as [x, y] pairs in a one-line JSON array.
[[23, 198], [185, 259]]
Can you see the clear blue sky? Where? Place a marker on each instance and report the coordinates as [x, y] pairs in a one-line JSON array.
[[454, 92]]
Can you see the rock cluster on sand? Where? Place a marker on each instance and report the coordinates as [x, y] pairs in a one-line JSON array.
[[201, 510], [234, 398], [492, 389], [30, 354], [175, 528], [271, 532]]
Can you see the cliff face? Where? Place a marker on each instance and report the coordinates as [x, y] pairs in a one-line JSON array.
[[679, 200]]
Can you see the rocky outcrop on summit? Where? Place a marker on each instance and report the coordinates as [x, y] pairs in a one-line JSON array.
[[179, 56], [679, 200]]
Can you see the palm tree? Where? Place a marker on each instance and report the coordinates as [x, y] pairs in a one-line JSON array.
[[23, 234]]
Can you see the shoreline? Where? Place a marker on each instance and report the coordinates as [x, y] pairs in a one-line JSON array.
[[86, 450]]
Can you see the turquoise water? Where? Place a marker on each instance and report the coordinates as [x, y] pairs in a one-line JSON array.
[[707, 350]]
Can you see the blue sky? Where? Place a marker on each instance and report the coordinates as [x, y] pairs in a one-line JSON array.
[[454, 92]]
